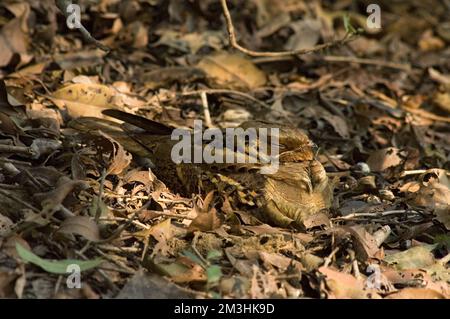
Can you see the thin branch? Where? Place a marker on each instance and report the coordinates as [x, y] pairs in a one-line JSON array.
[[225, 91], [382, 63], [16, 149], [233, 42], [378, 214], [63, 6], [206, 112]]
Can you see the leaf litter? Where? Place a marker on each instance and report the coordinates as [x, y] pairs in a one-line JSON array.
[[377, 107]]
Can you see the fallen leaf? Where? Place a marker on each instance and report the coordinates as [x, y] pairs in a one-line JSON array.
[[232, 71], [81, 225], [306, 34], [413, 258], [416, 293], [120, 159], [14, 38], [342, 286], [86, 99], [381, 160]]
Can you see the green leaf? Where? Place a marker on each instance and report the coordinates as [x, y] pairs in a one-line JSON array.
[[58, 266], [213, 254], [348, 26], [214, 273], [443, 240]]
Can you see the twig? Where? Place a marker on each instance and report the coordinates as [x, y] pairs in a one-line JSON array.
[[354, 261], [224, 91], [63, 6], [172, 215], [116, 249], [98, 199], [8, 186], [206, 113], [378, 214], [233, 42], [382, 63], [116, 219], [426, 114], [16, 162], [329, 258], [16, 149], [412, 172]]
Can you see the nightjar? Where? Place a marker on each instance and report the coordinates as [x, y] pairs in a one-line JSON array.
[[298, 189]]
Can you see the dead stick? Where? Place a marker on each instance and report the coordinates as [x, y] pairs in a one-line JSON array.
[[233, 42]]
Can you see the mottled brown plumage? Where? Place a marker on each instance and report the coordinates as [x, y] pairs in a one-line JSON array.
[[300, 188]]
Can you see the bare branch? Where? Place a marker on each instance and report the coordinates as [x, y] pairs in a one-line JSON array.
[[63, 5], [233, 42]]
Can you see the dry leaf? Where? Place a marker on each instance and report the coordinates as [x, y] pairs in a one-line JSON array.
[[120, 159], [14, 38], [416, 293], [232, 71], [382, 159], [306, 34], [81, 225], [86, 99], [341, 285], [413, 258]]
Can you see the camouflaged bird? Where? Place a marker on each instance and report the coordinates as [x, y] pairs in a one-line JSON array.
[[299, 188]]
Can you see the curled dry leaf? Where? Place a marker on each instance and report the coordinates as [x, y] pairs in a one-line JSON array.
[[206, 221], [279, 261], [434, 192], [14, 37], [343, 286], [365, 244], [81, 225], [161, 232], [382, 159], [207, 218], [306, 34], [120, 159], [232, 71]]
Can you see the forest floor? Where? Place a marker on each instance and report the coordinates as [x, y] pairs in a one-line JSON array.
[[375, 99]]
